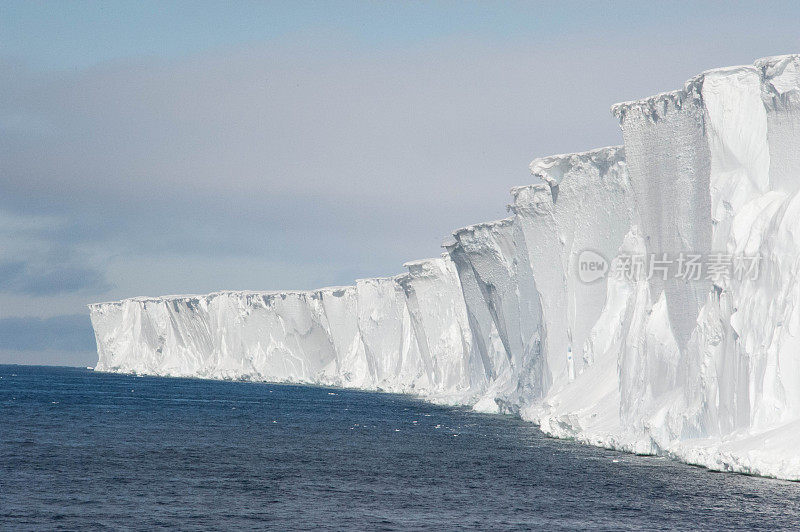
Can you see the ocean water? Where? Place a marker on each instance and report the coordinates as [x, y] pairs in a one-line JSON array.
[[81, 450]]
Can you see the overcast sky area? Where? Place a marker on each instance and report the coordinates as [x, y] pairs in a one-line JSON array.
[[151, 148]]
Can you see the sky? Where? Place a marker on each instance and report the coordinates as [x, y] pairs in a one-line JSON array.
[[151, 148]]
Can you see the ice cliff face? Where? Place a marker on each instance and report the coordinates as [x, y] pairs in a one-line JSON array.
[[408, 333], [703, 369]]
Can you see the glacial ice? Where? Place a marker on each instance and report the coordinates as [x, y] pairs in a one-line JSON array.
[[704, 371]]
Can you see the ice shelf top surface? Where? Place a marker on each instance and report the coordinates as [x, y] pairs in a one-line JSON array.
[[657, 104], [212, 295]]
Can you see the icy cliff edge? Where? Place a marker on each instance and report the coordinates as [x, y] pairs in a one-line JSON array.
[[540, 314]]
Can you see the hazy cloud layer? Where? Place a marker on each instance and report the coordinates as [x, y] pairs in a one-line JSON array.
[[317, 153], [47, 279], [39, 258], [306, 160], [70, 333]]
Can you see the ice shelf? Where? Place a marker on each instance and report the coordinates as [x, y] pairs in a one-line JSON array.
[[706, 371]]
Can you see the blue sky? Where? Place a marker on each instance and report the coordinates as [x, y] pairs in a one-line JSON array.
[[150, 148]]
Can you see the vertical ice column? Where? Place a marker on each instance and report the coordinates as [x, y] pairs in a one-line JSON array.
[[735, 122], [107, 323], [669, 165], [248, 326], [309, 352], [763, 310], [238, 326], [781, 365], [584, 204], [393, 358], [438, 314], [496, 251], [751, 125], [340, 305], [781, 95], [115, 325], [485, 337], [736, 131], [696, 158]]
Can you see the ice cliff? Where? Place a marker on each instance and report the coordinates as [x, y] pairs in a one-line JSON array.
[[706, 370]]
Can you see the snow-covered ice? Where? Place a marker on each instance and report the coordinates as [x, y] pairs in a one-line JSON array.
[[706, 371]]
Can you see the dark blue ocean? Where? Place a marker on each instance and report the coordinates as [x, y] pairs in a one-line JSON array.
[[82, 450]]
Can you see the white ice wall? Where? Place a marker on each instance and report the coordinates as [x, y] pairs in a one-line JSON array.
[[498, 258], [439, 318], [708, 372], [558, 220], [781, 95], [408, 333]]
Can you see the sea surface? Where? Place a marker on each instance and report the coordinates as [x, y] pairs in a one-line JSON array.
[[86, 450]]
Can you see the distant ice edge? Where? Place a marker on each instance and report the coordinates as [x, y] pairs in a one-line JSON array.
[[707, 373]]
